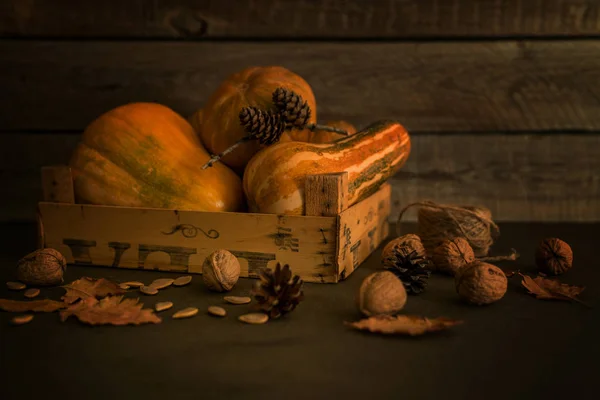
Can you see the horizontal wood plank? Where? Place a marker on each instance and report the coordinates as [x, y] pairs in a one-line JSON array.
[[518, 177], [461, 87], [192, 19]]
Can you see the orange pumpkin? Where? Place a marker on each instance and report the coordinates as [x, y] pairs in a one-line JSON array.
[[274, 178], [146, 155], [254, 87]]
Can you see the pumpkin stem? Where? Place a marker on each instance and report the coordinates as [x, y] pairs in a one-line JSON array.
[[314, 127], [228, 150]]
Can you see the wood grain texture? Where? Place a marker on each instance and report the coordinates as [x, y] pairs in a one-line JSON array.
[[57, 184], [192, 19], [454, 86], [554, 177], [326, 195]]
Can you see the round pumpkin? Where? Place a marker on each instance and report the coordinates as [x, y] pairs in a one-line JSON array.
[[196, 120], [254, 87], [147, 155]]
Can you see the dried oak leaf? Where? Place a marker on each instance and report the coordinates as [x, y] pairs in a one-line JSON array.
[[45, 305], [403, 324], [550, 289], [112, 310], [90, 287]]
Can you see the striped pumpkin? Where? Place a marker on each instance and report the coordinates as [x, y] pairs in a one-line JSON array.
[[274, 177]]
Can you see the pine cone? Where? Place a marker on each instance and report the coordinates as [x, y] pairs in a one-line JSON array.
[[276, 292], [264, 126], [410, 267], [290, 105]]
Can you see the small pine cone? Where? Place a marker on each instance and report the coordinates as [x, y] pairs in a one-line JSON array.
[[264, 126], [290, 105], [277, 293]]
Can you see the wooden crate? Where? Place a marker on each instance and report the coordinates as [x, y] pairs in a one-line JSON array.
[[325, 246]]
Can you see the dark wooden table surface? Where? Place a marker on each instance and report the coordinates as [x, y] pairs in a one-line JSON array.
[[518, 348]]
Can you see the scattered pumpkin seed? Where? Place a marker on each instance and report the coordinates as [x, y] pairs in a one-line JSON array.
[[149, 290], [124, 286], [186, 313], [217, 311], [254, 318], [15, 285], [182, 280], [163, 305], [31, 293], [162, 283], [133, 284], [237, 299], [22, 319]]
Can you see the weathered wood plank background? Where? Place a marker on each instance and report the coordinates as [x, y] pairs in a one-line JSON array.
[[501, 96]]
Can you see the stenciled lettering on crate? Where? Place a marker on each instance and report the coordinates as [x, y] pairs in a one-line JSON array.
[[325, 247]]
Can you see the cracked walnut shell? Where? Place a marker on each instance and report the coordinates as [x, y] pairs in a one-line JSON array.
[[554, 256], [409, 242], [381, 293], [220, 271], [481, 283]]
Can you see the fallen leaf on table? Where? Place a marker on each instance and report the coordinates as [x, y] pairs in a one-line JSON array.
[[46, 305], [403, 324], [89, 287], [550, 289], [112, 310]]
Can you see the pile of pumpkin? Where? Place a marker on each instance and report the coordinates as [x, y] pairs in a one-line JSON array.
[[147, 155]]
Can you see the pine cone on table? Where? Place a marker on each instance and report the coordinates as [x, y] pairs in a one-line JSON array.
[[276, 292], [410, 267]]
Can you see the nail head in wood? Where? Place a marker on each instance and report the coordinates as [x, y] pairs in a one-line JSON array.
[[57, 184], [326, 194]]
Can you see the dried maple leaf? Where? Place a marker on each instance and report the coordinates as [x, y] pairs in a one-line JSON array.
[[403, 324], [89, 287], [550, 289], [112, 310], [45, 305]]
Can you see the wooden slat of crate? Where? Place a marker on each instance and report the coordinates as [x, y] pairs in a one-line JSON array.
[[362, 229], [290, 18], [431, 87], [181, 240]]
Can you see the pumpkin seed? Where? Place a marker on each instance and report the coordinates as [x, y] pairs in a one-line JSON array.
[[237, 299], [31, 293], [186, 313], [15, 285], [133, 284], [254, 318], [162, 283], [124, 286], [149, 290], [217, 311], [182, 280], [163, 305], [22, 319]]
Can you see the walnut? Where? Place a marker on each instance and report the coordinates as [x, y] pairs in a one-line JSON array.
[[381, 293], [481, 283], [43, 267], [452, 254], [553, 256], [221, 271], [409, 242]]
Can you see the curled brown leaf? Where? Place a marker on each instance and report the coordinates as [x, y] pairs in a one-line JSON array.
[[112, 310], [550, 289], [90, 287], [403, 324], [45, 305]]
